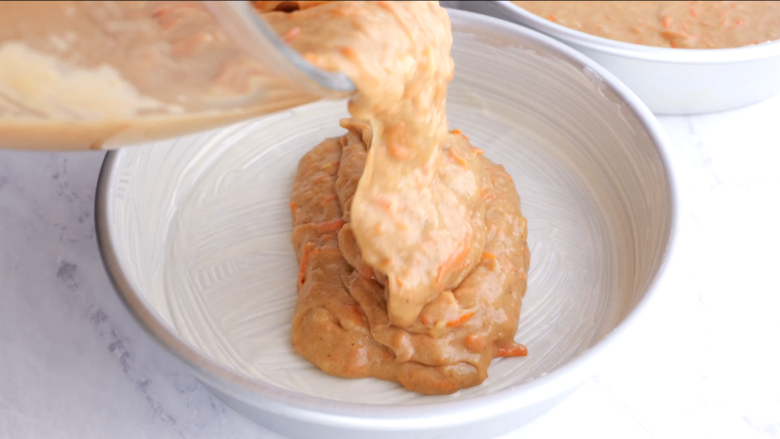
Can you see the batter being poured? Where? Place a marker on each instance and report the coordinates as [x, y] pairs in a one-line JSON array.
[[411, 244]]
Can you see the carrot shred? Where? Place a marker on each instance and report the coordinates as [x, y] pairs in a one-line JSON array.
[[488, 255], [454, 260], [293, 208], [667, 21], [394, 138], [357, 311], [460, 320], [458, 132], [460, 160], [399, 152], [171, 23], [551, 17], [328, 226], [348, 52], [304, 264], [477, 151], [380, 202], [330, 165], [517, 350]]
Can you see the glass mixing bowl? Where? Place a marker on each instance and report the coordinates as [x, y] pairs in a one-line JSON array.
[[100, 75]]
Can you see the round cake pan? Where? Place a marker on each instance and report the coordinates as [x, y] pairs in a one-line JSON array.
[[195, 234], [668, 81]]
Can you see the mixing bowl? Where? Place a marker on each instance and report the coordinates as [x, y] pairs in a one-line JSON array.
[[195, 233], [669, 81]]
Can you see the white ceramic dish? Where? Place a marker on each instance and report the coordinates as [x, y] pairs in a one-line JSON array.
[[668, 81], [195, 233]]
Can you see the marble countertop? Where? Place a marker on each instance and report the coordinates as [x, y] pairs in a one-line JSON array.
[[74, 365]]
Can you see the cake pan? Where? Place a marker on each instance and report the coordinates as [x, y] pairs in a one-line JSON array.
[[195, 232], [668, 81]]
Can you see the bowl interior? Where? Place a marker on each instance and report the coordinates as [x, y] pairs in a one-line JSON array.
[[200, 225]]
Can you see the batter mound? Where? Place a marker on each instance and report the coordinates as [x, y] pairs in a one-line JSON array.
[[341, 322], [411, 245]]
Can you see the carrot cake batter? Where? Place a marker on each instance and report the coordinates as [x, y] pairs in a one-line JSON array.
[[685, 25], [411, 244]]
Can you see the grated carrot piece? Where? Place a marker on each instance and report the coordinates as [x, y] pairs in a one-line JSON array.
[[517, 350], [329, 226], [454, 260], [460, 320], [394, 139], [307, 250], [348, 52], [460, 160], [380, 202], [330, 165]]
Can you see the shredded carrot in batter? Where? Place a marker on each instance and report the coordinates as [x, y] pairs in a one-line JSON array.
[[512, 351], [460, 320], [454, 260]]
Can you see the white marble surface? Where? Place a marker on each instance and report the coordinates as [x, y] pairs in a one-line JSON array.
[[704, 363]]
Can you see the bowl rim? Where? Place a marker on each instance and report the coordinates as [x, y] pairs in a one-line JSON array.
[[637, 51], [301, 407]]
